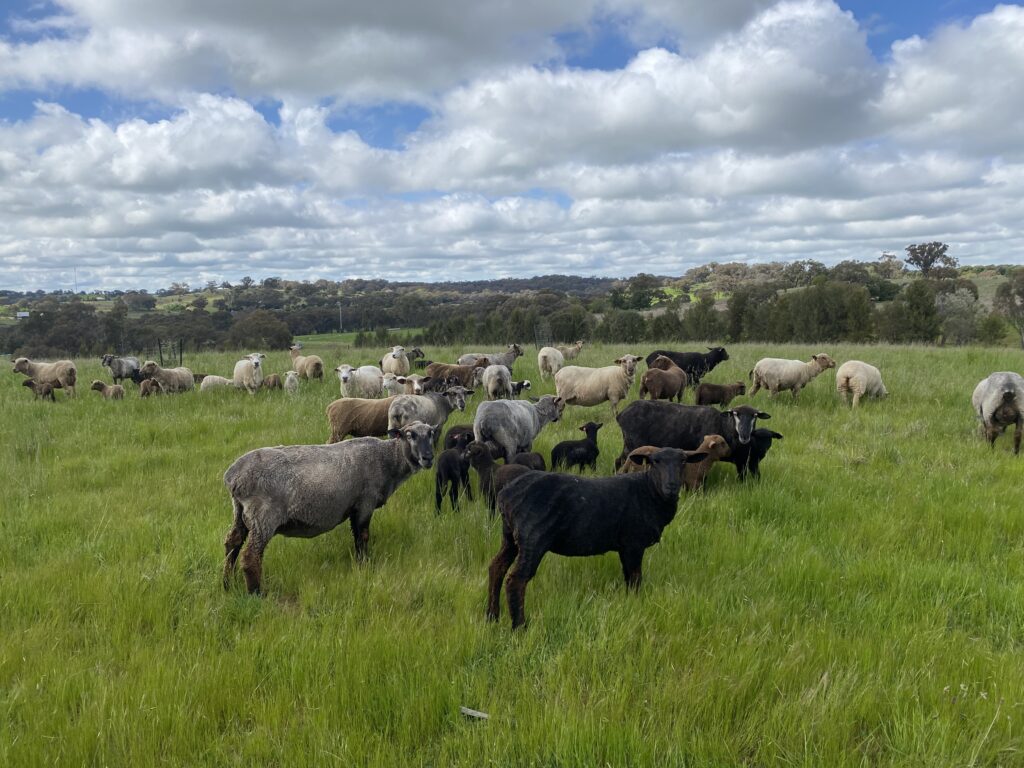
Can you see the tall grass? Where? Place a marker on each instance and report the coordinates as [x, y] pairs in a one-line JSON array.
[[862, 605]]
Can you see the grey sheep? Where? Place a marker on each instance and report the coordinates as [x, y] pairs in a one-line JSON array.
[[307, 490], [497, 382], [121, 368], [496, 358], [998, 401], [512, 425], [432, 408]]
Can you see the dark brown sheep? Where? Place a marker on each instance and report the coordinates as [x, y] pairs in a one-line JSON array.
[[469, 376], [41, 390], [719, 394], [664, 381]]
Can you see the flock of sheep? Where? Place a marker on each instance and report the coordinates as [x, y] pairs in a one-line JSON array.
[[306, 490]]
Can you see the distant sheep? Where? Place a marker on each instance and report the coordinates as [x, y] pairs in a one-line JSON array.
[[592, 386], [365, 381], [518, 387], [860, 379], [109, 391], [211, 382], [696, 364], [468, 376], [171, 379], [306, 366], [432, 408], [150, 387], [777, 375], [578, 453], [549, 361], [396, 362], [121, 368], [571, 352], [506, 358], [719, 394], [40, 391], [998, 401], [451, 472], [358, 417], [248, 374], [59, 375], [512, 425], [497, 382], [664, 380], [291, 382], [273, 381]]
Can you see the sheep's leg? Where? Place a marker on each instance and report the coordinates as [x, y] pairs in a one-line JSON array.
[[497, 570], [453, 493], [465, 481], [632, 567], [360, 522], [252, 560], [234, 541], [856, 398], [992, 432], [756, 387], [515, 585], [438, 494], [1017, 435], [796, 392]]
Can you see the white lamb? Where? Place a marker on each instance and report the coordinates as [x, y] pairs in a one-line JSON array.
[[860, 379], [591, 386], [777, 375], [291, 382], [248, 374], [366, 381], [550, 361], [214, 382]]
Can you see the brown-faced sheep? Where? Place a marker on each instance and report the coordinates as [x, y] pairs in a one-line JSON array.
[[572, 352], [469, 376], [40, 391], [273, 381], [719, 394], [149, 387], [664, 381], [59, 375], [306, 366], [171, 379], [109, 391], [591, 386], [358, 417]]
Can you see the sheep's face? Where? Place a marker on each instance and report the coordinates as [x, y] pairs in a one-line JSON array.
[[107, 360], [745, 420], [763, 440], [715, 445], [99, 386], [149, 369], [665, 469], [479, 455], [824, 361], [741, 388], [628, 363], [397, 352], [419, 443], [21, 365], [717, 354], [516, 350], [344, 373], [457, 397], [590, 428]]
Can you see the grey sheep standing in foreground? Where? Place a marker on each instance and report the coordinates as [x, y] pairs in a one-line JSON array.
[[998, 401], [512, 425], [307, 490]]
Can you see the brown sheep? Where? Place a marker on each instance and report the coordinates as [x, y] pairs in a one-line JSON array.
[[109, 391], [150, 387], [714, 445], [358, 417], [309, 366], [469, 376], [44, 391], [719, 394], [664, 380], [59, 375], [273, 381]]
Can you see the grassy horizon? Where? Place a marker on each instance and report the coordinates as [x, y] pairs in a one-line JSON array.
[[862, 605]]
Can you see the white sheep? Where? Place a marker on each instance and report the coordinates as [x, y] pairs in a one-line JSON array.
[[998, 401], [248, 373], [291, 382], [365, 381], [171, 379], [860, 379], [571, 353], [777, 375], [396, 362], [497, 382], [211, 382], [591, 386], [550, 361], [306, 366], [59, 375]]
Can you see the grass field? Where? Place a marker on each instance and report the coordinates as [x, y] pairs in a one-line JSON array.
[[862, 605]]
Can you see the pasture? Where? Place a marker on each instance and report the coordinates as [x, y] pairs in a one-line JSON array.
[[863, 604]]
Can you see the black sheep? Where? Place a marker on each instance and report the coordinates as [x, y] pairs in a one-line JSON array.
[[578, 453], [696, 364], [575, 516], [455, 432], [506, 474], [760, 442], [481, 459], [452, 470], [533, 460]]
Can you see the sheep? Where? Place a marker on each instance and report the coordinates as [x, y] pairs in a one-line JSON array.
[[571, 352], [578, 453], [395, 361], [273, 381], [171, 379], [634, 462], [121, 368], [760, 441], [497, 382], [530, 459], [452, 470], [415, 354], [715, 446], [211, 382], [777, 375], [366, 381], [469, 376], [664, 380], [512, 425], [291, 382], [248, 373], [592, 386], [150, 387], [432, 408], [197, 378], [719, 394], [307, 490], [998, 401], [861, 379], [506, 358], [518, 387], [696, 364], [59, 375], [405, 385], [454, 433], [481, 459], [306, 366], [358, 417], [574, 516], [549, 361], [391, 385], [40, 391], [109, 391], [505, 474]]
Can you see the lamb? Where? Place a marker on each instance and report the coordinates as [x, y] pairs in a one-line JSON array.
[[715, 446], [512, 425], [497, 382], [482, 461], [454, 433], [395, 361], [391, 385], [469, 376], [150, 387], [307, 490], [531, 459], [452, 470], [306, 366], [696, 364], [760, 441], [358, 417], [777, 375], [719, 394], [998, 401], [366, 381], [506, 474], [40, 391], [291, 382], [861, 379], [578, 453], [273, 381], [592, 386], [519, 386], [572, 352], [171, 379], [197, 378], [248, 374], [549, 361], [574, 516], [432, 408], [211, 382], [59, 375], [415, 354], [121, 368], [664, 380], [109, 391], [405, 385], [506, 358]]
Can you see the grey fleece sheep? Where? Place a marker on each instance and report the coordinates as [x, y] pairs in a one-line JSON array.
[[432, 408], [121, 368], [497, 382], [512, 425], [506, 358], [307, 490], [998, 401]]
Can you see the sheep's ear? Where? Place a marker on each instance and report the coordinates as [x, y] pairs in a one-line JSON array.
[[774, 435], [583, 429], [469, 393], [394, 434], [640, 458], [401, 379], [763, 415], [618, 361]]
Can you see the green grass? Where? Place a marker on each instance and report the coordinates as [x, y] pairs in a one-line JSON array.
[[862, 605]]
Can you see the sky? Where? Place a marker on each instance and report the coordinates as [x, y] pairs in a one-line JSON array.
[[144, 142]]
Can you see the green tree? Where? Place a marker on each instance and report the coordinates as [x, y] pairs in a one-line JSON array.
[[702, 321], [931, 259], [1009, 301], [259, 329]]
